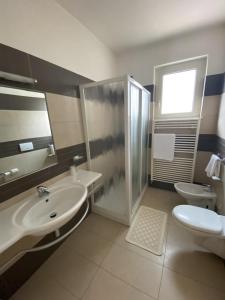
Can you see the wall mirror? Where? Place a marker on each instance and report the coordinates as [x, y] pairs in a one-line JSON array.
[[26, 143]]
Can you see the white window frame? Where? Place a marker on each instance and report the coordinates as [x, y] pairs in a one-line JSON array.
[[199, 64]]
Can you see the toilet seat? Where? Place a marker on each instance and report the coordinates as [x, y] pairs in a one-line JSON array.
[[199, 219]]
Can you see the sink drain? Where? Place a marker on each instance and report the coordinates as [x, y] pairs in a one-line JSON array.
[[53, 215]]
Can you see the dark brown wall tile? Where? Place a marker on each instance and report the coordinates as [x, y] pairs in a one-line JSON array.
[[12, 147], [14, 61], [54, 79]]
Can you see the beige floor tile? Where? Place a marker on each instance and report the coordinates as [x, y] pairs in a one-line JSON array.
[[161, 195], [178, 287], [41, 287], [162, 200], [136, 270], [88, 244], [104, 227], [120, 240], [128, 272], [179, 237], [105, 286], [186, 257], [73, 272]]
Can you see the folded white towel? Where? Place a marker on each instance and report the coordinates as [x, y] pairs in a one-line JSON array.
[[164, 146], [213, 167]]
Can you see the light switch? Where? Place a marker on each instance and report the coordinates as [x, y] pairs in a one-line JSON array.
[[26, 146]]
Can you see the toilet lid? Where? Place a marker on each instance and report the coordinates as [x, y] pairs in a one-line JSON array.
[[198, 218]]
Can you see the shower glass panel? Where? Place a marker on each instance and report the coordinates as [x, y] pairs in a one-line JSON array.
[[144, 136], [116, 132], [135, 109], [104, 109]]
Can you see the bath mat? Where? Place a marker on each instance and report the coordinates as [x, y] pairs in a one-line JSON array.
[[148, 229]]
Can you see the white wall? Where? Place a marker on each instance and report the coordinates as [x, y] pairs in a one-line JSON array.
[[141, 61], [45, 29]]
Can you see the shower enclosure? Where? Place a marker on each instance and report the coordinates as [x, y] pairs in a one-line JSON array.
[[116, 118]]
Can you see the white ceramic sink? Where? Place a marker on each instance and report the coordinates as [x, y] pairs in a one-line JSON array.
[[31, 215], [193, 191], [40, 216]]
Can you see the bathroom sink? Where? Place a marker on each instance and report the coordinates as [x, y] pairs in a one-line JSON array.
[[193, 191], [40, 216]]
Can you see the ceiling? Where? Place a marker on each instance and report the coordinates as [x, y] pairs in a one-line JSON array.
[[122, 24]]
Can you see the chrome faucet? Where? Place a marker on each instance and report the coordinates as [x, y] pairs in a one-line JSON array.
[[42, 191]]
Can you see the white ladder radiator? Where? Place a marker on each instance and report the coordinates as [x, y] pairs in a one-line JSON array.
[[186, 141]]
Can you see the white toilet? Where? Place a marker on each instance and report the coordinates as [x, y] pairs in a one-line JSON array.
[[204, 223], [196, 194]]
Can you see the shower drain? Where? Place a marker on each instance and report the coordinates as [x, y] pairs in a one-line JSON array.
[[53, 215]]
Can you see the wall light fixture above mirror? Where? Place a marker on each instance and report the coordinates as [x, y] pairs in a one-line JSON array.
[[26, 142]]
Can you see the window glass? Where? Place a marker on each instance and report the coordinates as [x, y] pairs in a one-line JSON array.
[[178, 90]]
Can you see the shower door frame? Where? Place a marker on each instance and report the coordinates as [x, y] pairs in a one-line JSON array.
[[127, 80]]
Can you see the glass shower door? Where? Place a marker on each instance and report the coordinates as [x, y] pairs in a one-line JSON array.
[[104, 111], [144, 137], [139, 120], [135, 139], [116, 130]]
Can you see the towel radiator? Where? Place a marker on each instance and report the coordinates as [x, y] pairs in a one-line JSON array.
[[183, 166]]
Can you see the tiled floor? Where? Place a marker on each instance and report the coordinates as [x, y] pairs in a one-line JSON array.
[[96, 263]]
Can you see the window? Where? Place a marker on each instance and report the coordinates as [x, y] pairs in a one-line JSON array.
[[178, 92], [179, 88]]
